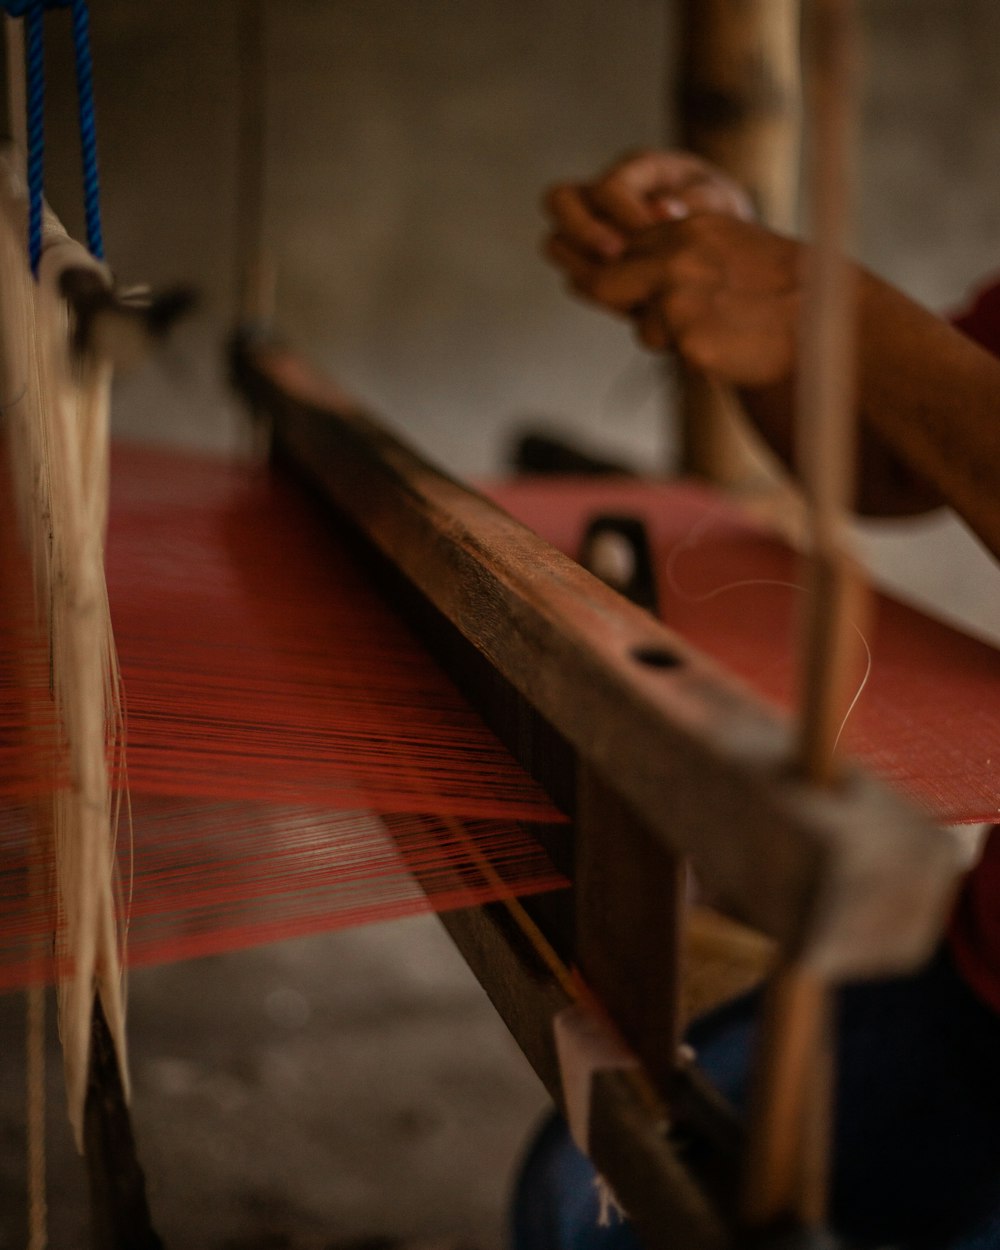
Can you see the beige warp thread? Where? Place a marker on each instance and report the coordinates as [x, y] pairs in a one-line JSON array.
[[35, 1045], [58, 433]]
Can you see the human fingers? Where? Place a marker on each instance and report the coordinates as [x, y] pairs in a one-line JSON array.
[[651, 186], [740, 255], [749, 342], [704, 192], [576, 265], [651, 327], [671, 266], [575, 218]]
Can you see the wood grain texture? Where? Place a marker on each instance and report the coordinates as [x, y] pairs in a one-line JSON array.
[[628, 889], [638, 1146], [850, 881]]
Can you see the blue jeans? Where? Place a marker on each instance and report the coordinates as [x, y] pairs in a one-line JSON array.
[[917, 1133]]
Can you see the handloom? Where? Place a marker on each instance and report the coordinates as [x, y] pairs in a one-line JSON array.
[[643, 754]]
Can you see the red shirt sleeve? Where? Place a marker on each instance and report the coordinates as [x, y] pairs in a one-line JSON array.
[[974, 934], [980, 320]]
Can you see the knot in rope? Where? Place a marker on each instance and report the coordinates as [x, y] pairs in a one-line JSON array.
[[33, 13]]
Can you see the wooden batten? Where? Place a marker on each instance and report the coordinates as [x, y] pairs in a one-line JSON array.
[[656, 754], [851, 881]]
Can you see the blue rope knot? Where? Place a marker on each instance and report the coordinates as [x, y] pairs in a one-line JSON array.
[[33, 13]]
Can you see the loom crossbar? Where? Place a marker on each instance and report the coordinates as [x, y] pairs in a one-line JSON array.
[[853, 880], [657, 755]]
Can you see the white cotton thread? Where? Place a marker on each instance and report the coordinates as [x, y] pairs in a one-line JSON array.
[[690, 542]]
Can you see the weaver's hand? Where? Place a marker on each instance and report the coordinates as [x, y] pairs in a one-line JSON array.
[[721, 292], [600, 219]]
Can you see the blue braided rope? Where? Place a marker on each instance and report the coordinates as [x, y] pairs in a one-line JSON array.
[[34, 64], [88, 128], [33, 12]]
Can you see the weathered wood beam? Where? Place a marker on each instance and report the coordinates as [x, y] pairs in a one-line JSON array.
[[849, 881], [635, 1141]]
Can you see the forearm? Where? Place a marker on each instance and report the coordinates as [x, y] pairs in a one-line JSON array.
[[929, 414], [886, 484], [932, 396]]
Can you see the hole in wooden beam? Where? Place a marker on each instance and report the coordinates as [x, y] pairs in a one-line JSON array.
[[656, 656]]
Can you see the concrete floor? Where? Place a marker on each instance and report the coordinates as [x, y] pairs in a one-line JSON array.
[[358, 1085], [307, 1096]]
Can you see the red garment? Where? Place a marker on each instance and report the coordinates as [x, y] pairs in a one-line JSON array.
[[974, 935], [981, 320]]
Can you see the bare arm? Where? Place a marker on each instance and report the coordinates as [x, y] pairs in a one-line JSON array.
[[929, 414], [933, 396], [664, 239]]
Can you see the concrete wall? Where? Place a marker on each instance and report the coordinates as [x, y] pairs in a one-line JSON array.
[[408, 145]]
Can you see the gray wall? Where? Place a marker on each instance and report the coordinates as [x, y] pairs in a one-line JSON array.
[[409, 140], [408, 146]]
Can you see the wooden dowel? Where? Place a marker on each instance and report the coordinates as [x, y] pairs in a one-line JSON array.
[[825, 434], [786, 1160]]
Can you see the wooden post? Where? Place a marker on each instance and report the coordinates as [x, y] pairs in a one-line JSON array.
[[622, 924], [737, 97]]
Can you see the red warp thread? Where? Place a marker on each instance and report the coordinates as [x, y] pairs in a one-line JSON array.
[[296, 762], [928, 718]]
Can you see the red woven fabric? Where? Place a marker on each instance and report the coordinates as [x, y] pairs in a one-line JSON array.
[[928, 719]]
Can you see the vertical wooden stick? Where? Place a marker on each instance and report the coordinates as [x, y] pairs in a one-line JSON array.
[[790, 1137], [739, 96], [825, 435], [787, 1157], [614, 854]]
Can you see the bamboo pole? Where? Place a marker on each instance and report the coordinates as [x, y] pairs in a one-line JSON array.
[[737, 97]]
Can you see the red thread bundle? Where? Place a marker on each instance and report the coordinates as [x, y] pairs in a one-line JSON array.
[[295, 760]]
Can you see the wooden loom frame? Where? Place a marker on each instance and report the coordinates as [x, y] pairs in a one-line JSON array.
[[657, 756]]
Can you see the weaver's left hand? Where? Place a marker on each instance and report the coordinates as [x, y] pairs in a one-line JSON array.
[[723, 293], [601, 217]]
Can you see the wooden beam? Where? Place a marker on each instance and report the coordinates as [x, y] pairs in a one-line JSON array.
[[629, 898], [850, 881], [636, 1142]]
